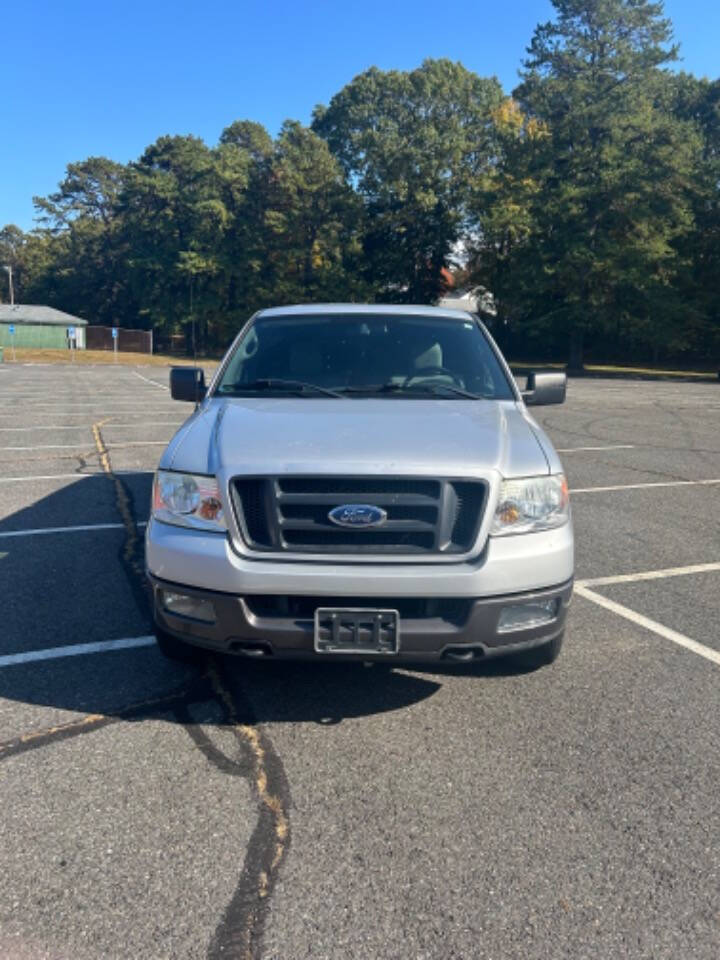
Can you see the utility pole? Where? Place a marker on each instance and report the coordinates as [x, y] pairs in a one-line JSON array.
[[12, 293]]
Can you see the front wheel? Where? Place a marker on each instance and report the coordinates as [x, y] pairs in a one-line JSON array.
[[541, 656], [174, 649]]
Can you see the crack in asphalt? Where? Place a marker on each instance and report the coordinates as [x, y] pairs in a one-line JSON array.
[[240, 931], [124, 501], [34, 739]]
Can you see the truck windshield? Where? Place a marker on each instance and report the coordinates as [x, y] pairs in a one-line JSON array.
[[388, 355]]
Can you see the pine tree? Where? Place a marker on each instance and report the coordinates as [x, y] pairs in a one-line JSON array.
[[612, 176]]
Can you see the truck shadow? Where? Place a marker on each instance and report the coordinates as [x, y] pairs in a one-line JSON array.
[[328, 693]]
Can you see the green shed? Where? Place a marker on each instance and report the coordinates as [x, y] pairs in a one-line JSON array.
[[39, 327]]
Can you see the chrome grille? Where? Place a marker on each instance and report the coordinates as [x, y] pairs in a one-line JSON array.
[[424, 516]]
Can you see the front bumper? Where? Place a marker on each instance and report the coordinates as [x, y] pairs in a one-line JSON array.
[[207, 561], [238, 629]]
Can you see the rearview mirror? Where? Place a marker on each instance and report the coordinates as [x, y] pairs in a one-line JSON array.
[[187, 383], [542, 388]]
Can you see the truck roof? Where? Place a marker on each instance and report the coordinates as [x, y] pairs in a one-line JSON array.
[[363, 309]]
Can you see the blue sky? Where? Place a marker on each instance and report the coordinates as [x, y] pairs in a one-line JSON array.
[[88, 78]]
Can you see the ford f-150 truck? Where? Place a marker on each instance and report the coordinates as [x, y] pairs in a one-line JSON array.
[[361, 482]]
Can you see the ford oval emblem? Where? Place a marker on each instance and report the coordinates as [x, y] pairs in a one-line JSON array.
[[357, 515]]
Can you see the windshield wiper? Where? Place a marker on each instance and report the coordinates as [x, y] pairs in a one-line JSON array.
[[274, 383], [416, 388], [448, 388]]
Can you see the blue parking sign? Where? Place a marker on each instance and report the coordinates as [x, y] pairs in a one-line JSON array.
[[12, 329], [114, 333], [71, 332]]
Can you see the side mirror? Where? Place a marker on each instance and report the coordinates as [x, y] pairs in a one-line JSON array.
[[542, 388], [187, 383]]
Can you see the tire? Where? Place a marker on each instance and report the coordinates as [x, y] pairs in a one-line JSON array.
[[541, 656], [177, 650]]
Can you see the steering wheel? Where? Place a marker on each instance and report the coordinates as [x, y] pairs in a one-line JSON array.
[[432, 371]]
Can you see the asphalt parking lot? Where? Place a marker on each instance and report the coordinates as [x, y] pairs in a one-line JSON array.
[[293, 811]]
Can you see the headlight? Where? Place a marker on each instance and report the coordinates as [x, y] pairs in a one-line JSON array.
[[188, 501], [530, 504]]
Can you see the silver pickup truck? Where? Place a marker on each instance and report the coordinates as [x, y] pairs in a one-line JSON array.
[[361, 482]]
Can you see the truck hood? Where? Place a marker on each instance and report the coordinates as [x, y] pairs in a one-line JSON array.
[[358, 436]]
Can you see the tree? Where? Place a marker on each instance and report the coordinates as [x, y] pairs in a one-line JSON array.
[[244, 157], [89, 191], [698, 101], [250, 138], [12, 240], [80, 227], [611, 176], [174, 220], [499, 255], [411, 144], [311, 220]]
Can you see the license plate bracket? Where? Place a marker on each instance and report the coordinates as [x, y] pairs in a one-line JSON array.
[[357, 630]]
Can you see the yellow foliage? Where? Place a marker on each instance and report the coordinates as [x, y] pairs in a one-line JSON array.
[[510, 120], [319, 259], [508, 117], [536, 129]]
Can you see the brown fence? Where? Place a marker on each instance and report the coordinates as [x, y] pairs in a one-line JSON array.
[[128, 341]]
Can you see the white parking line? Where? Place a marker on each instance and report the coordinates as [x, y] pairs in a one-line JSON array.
[[83, 426], [86, 415], [69, 476], [649, 575], [131, 400], [82, 446], [114, 444], [148, 380], [699, 648], [75, 650], [646, 486], [51, 446], [53, 426], [18, 399], [143, 423], [613, 446], [50, 476], [80, 528]]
